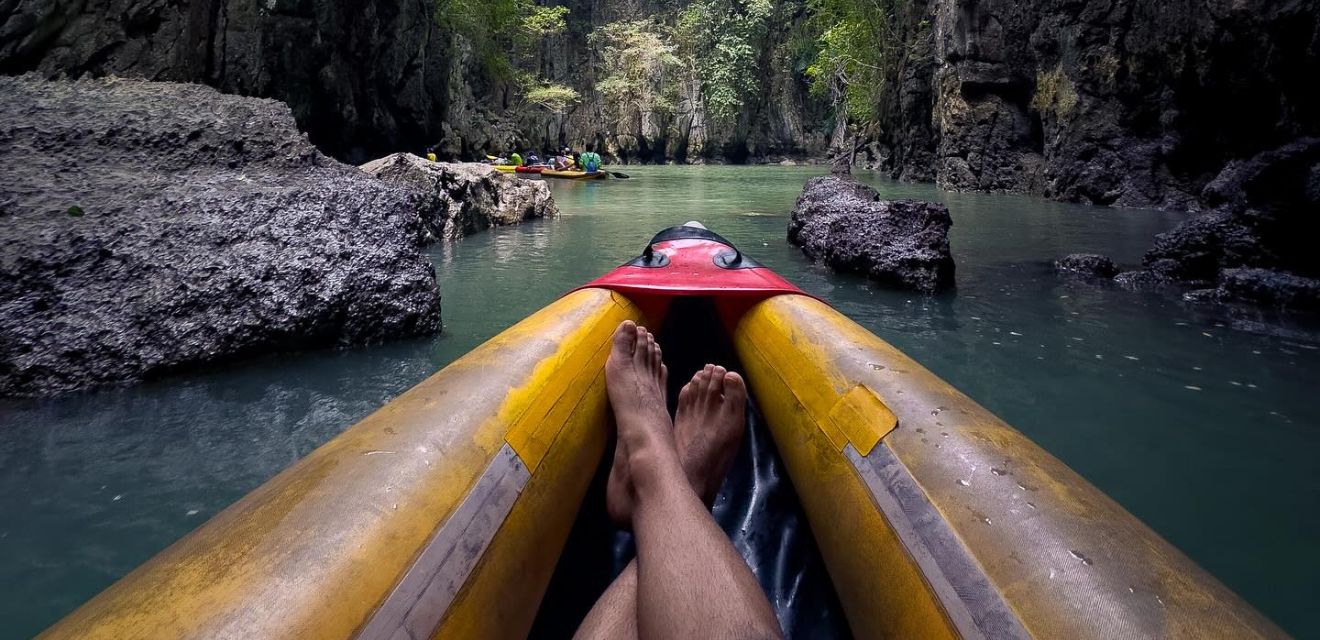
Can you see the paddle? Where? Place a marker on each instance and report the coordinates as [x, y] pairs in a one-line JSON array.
[[618, 175]]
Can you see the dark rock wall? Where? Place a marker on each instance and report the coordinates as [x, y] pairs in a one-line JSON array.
[[361, 76], [368, 77], [1126, 102]]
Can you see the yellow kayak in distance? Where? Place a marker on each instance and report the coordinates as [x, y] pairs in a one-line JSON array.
[[446, 513], [505, 168]]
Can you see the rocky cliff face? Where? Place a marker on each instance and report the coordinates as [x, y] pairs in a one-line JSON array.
[[368, 77], [150, 227], [362, 76], [1124, 102]]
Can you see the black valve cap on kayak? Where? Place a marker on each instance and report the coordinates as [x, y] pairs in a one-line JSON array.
[[728, 259], [650, 258]]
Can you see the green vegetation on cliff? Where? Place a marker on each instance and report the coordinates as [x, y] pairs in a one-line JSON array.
[[858, 49]]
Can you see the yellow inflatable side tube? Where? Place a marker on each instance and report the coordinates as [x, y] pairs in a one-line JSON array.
[[443, 513], [938, 520]]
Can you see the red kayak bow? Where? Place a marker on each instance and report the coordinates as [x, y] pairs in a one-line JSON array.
[[692, 261]]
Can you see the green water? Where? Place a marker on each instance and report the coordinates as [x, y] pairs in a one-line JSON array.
[[1200, 421]]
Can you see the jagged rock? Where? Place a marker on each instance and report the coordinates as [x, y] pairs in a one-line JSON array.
[[150, 227], [362, 78], [457, 199], [1264, 223], [1119, 102], [845, 224], [1269, 288], [1087, 265], [1141, 280]]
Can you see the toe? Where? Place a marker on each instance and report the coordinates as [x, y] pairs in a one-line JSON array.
[[716, 385], [625, 337], [686, 394], [735, 390], [703, 383], [641, 351]]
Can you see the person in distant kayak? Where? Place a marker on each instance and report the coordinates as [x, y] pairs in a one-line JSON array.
[[515, 159], [590, 161], [533, 159], [565, 162], [430, 154], [687, 580]]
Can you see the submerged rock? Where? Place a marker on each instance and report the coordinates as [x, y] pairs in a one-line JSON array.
[[845, 224], [150, 227], [1086, 265], [457, 199]]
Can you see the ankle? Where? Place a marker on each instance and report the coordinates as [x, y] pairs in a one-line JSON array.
[[652, 463]]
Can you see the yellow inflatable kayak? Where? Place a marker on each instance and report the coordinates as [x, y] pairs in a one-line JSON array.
[[444, 514], [505, 168]]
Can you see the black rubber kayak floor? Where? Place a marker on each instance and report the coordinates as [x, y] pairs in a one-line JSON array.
[[757, 507]]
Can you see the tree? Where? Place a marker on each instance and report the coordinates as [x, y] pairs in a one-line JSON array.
[[640, 67]]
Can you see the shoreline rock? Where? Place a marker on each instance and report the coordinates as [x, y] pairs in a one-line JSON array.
[[459, 199], [152, 227], [1255, 246], [846, 225]]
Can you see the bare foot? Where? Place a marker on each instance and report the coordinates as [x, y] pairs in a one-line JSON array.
[[709, 427], [635, 383]]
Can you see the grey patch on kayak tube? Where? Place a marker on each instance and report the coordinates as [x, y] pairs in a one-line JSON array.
[[971, 602], [419, 602]]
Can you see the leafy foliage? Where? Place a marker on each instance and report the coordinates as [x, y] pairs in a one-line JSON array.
[[640, 67], [721, 40], [503, 33], [552, 96], [859, 50]]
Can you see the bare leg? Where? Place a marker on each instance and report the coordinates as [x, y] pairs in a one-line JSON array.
[[707, 429], [688, 578]]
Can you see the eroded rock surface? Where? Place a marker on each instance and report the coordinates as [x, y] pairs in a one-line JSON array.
[[457, 199], [1125, 102], [154, 226], [845, 224], [1086, 265], [1256, 245]]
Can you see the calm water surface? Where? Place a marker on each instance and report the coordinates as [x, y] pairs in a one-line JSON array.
[[1204, 423]]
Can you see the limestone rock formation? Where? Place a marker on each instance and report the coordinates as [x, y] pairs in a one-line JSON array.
[[457, 199], [1123, 102], [1263, 223], [1264, 287], [1086, 265], [845, 224], [150, 227], [372, 77], [360, 77]]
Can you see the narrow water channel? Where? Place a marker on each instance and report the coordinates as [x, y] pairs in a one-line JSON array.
[[1201, 421]]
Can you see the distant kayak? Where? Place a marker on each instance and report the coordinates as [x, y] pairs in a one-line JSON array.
[[506, 168], [574, 175], [534, 169]]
